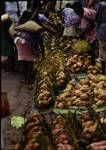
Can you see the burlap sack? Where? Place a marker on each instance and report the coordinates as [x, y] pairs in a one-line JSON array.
[[11, 30], [29, 26], [4, 17]]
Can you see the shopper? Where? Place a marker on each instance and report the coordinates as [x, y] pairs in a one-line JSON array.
[[25, 49], [37, 38], [71, 19], [88, 26], [101, 33]]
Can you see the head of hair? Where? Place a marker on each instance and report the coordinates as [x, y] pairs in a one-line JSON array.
[[68, 5], [78, 9]]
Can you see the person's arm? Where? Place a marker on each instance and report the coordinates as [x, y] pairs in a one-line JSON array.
[[44, 19], [47, 29]]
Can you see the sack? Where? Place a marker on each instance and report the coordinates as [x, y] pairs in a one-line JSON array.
[[29, 26], [81, 46], [5, 110], [11, 30], [4, 17]]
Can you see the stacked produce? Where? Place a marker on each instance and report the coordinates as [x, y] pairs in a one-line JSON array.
[[44, 90], [60, 135], [94, 69], [88, 91], [60, 76], [89, 127], [76, 63], [98, 83], [74, 94], [64, 99], [32, 133], [83, 93], [93, 126], [68, 132]]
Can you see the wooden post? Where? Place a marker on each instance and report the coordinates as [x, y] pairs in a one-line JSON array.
[[18, 10]]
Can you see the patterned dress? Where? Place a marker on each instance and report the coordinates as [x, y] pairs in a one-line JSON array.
[[70, 21]]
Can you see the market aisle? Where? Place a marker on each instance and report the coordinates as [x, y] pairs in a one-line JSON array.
[[19, 96]]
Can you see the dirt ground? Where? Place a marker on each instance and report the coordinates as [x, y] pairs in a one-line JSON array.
[[19, 96]]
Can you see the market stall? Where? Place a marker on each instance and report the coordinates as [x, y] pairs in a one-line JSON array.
[[70, 99]]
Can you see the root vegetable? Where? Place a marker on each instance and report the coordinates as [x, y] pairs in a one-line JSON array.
[[60, 105], [17, 147], [84, 96], [100, 102], [84, 88]]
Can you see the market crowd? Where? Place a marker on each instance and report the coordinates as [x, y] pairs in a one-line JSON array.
[[81, 19]]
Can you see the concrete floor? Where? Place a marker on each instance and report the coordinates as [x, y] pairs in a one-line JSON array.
[[19, 96]]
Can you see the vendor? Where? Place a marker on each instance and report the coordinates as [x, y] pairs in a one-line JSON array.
[[88, 27], [71, 19], [101, 33]]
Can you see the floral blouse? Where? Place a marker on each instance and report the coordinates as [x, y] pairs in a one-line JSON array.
[[70, 17]]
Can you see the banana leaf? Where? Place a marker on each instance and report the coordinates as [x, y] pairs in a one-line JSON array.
[[79, 110]]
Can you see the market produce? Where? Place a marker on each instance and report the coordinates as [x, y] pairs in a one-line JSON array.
[[94, 69], [60, 76], [44, 93], [74, 94], [18, 122], [60, 135], [80, 46], [89, 128], [76, 63], [100, 145], [98, 83], [34, 135], [64, 99]]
